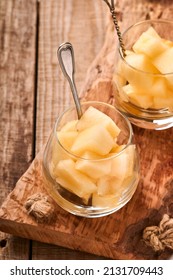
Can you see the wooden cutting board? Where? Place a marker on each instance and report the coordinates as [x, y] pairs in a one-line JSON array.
[[117, 236]]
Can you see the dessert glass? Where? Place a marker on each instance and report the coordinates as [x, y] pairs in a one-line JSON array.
[[103, 191], [159, 85]]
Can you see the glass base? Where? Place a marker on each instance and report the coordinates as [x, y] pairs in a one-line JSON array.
[[145, 118], [79, 209]]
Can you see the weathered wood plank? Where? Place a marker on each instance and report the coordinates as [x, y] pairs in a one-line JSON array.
[[17, 67]]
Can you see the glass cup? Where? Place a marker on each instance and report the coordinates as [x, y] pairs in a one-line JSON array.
[[144, 77], [91, 166]]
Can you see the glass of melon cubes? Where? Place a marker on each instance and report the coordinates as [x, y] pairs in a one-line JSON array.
[[90, 165], [144, 76]]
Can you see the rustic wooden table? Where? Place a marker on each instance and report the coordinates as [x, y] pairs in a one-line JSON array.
[[33, 91]]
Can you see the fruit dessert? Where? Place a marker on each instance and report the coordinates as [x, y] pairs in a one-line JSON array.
[[147, 73], [88, 161]]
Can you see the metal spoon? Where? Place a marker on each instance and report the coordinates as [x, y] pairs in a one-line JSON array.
[[66, 60]]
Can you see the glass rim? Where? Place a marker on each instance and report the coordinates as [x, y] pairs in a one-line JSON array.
[[71, 108], [134, 25]]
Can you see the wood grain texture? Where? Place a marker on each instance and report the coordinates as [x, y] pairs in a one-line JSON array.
[[17, 71]]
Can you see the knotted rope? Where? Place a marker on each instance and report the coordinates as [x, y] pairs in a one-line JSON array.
[[40, 207], [160, 237]]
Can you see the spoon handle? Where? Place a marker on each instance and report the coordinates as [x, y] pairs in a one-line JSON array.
[[66, 60]]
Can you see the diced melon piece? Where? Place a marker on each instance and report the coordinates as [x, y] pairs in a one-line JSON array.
[[141, 99], [150, 43], [168, 43], [159, 87], [73, 180], [123, 164], [58, 153], [163, 63], [94, 169], [67, 138], [106, 201], [95, 138], [92, 116], [141, 62], [116, 149], [138, 78], [103, 185], [70, 126], [108, 185], [91, 155], [65, 184], [161, 103]]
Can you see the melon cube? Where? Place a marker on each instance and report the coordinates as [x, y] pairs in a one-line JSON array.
[[139, 98], [105, 201], [116, 149], [58, 153], [73, 180], [150, 43], [103, 185], [67, 138], [94, 169], [108, 185], [95, 139], [92, 116], [141, 62], [137, 78], [163, 63], [161, 103], [168, 43], [70, 126], [123, 164], [91, 155], [159, 87]]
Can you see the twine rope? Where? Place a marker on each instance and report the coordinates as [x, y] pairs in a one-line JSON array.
[[160, 237]]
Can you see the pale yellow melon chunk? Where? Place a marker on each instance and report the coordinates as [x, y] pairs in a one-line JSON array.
[[65, 184], [141, 62], [95, 139], [73, 180], [91, 155], [150, 43], [70, 126], [161, 103], [58, 153], [105, 201], [67, 138], [139, 98], [116, 149], [163, 63], [94, 169], [92, 116], [138, 78], [108, 185], [168, 43], [123, 164], [159, 87]]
